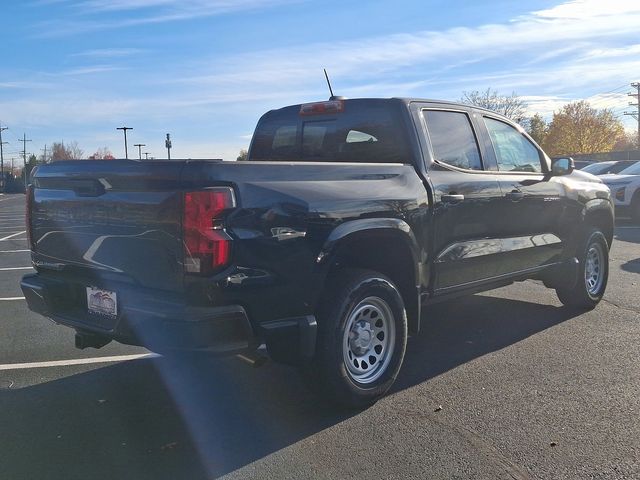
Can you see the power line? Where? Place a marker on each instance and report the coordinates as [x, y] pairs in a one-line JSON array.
[[604, 100]]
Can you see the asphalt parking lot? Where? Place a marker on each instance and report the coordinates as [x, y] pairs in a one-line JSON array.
[[507, 384]]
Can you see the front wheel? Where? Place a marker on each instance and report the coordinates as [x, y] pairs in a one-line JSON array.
[[362, 337], [593, 258], [635, 208]]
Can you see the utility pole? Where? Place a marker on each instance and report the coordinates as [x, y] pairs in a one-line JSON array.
[[24, 158], [146, 155], [636, 115], [2, 158], [126, 150], [44, 155], [167, 143], [139, 145]]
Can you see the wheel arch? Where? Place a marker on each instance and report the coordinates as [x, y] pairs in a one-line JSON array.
[[601, 216], [387, 246]]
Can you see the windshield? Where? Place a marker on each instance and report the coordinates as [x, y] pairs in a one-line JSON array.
[[632, 170], [596, 168]]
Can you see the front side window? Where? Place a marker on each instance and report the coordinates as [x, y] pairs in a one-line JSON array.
[[514, 152], [452, 139]]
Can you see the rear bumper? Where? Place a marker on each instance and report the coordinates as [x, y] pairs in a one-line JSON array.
[[159, 324], [162, 324]]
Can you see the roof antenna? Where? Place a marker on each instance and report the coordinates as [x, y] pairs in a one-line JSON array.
[[333, 97]]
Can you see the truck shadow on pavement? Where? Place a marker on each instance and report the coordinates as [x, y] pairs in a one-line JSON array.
[[167, 419]]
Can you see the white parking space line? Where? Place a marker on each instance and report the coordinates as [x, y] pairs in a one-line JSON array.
[[11, 299], [11, 236], [77, 361], [6, 269], [11, 239], [14, 251]]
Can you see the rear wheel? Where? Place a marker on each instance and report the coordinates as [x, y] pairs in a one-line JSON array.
[[362, 336], [593, 258]]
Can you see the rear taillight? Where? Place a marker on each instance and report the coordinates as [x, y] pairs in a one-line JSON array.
[[207, 246], [28, 205]]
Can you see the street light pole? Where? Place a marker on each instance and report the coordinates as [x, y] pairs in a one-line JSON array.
[[146, 155], [2, 158], [139, 145], [167, 143], [126, 150]]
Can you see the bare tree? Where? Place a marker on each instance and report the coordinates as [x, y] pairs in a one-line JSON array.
[[511, 106], [102, 154], [70, 151]]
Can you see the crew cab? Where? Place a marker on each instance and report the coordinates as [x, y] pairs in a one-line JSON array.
[[349, 218]]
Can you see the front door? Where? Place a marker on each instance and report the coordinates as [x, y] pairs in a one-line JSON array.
[[532, 202]]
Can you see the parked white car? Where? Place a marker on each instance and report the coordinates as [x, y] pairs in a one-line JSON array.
[[625, 190]]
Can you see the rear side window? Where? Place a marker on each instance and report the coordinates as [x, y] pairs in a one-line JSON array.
[[452, 139], [365, 131], [514, 152]]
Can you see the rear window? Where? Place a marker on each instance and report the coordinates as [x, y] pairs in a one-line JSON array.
[[366, 131]]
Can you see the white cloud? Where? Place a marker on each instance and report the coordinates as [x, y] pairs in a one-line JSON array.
[[88, 70], [571, 51], [612, 52], [89, 14], [109, 52], [586, 9], [537, 38]]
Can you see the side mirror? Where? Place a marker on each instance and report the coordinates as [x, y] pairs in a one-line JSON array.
[[562, 166]]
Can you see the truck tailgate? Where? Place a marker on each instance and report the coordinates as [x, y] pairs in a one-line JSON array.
[[110, 220]]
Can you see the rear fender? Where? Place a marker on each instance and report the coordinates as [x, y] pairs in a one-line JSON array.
[[349, 245]]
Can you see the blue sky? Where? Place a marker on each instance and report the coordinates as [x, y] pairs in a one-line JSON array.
[[205, 70]]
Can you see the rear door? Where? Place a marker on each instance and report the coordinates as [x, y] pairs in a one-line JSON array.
[[465, 196]]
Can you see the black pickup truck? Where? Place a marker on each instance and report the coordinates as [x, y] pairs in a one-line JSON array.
[[348, 218]]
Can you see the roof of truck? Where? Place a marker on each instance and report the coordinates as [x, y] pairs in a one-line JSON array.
[[405, 100]]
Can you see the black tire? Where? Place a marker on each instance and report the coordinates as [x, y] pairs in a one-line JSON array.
[[635, 208], [587, 293], [344, 304]]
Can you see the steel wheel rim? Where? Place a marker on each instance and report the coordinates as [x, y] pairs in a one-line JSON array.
[[369, 340], [594, 269]]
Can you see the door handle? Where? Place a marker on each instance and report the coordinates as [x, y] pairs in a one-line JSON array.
[[452, 198], [515, 196]]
